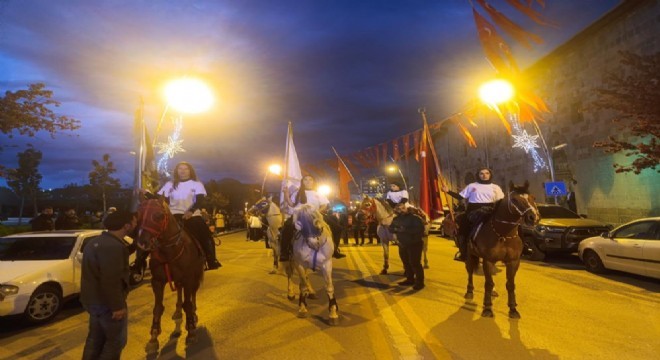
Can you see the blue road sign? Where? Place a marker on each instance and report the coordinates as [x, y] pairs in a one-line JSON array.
[[557, 188]]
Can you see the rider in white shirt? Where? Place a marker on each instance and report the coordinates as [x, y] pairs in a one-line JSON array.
[[305, 195], [478, 194], [185, 195], [396, 195]]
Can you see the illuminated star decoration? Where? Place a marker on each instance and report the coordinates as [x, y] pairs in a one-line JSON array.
[[171, 147], [526, 142]]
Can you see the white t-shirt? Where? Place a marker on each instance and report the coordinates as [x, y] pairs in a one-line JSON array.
[[184, 196], [396, 196], [314, 199], [482, 193]]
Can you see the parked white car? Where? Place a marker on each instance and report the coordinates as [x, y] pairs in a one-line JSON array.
[[40, 270], [633, 247]]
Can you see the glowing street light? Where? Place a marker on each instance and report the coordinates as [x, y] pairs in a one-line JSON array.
[[188, 95], [274, 169], [324, 190], [393, 169], [496, 91]]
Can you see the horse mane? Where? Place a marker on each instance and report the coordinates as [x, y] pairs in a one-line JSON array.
[[385, 204], [311, 221]]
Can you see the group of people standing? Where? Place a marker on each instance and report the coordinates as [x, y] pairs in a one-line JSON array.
[[67, 220]]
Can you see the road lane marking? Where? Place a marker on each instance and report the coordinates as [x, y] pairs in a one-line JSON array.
[[402, 342]]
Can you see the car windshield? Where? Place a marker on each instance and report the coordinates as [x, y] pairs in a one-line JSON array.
[[557, 212], [36, 248]]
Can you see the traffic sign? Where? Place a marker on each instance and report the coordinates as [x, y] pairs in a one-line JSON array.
[[556, 188]]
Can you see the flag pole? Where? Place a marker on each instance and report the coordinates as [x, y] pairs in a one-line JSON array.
[[347, 169], [441, 179]]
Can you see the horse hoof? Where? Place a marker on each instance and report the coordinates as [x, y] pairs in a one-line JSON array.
[[514, 314], [291, 297], [333, 321], [152, 347], [383, 272], [487, 313], [176, 316], [494, 294], [426, 266], [469, 296], [274, 271], [175, 334], [302, 314], [312, 296]]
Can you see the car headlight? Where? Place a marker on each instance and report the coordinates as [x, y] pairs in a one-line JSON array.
[[552, 229], [6, 290]]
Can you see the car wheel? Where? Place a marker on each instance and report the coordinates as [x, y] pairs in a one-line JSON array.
[[592, 262], [44, 304], [136, 276], [535, 253]]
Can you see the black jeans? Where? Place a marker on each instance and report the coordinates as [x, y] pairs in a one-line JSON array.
[[411, 257], [197, 228]]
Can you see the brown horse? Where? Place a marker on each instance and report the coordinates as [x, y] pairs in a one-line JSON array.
[[496, 240], [175, 259]]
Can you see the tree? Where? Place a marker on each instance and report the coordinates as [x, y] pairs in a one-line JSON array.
[[633, 93], [27, 111], [25, 179], [101, 180]]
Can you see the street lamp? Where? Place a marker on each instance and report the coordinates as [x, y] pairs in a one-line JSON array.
[[499, 91], [324, 190], [186, 96], [395, 168], [275, 169]]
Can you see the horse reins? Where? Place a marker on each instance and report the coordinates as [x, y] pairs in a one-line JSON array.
[[516, 223], [156, 232]]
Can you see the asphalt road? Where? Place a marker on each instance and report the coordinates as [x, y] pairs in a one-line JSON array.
[[567, 313]]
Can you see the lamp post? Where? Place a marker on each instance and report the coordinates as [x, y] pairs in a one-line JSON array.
[[185, 96], [499, 91], [395, 168], [275, 169]]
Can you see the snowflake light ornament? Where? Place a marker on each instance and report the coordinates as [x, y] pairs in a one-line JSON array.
[[525, 141]]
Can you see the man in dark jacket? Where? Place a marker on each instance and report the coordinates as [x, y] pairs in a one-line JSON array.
[[409, 230], [104, 287], [68, 221], [44, 221]]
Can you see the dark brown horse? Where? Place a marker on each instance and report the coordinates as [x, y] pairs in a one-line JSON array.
[[175, 259], [496, 240]]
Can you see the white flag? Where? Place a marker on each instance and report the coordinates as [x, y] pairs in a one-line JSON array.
[[292, 172]]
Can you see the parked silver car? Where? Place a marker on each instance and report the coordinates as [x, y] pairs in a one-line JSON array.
[[633, 247]]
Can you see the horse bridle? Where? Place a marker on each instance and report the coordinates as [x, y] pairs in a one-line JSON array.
[[520, 213], [157, 230]]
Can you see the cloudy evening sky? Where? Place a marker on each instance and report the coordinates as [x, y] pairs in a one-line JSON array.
[[347, 73]]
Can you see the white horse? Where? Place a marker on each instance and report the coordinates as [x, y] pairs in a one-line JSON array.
[[313, 249], [266, 206], [384, 214]]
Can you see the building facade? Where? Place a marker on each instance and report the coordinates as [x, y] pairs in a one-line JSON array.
[[566, 80]]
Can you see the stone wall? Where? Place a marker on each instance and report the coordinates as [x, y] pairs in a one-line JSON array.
[[566, 79]]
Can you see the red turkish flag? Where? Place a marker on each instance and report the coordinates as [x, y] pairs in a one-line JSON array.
[[429, 189]]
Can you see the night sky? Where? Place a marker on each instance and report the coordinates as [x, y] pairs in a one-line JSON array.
[[347, 73]]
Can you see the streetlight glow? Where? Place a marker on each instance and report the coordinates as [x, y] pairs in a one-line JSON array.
[[188, 95], [275, 169], [324, 190], [391, 168], [496, 91]]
